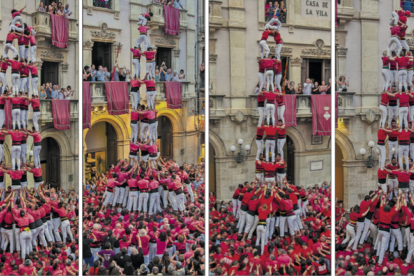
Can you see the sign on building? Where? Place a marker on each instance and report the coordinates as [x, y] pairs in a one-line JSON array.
[[316, 9]]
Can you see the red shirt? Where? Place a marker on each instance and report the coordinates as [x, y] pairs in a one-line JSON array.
[[385, 98], [143, 30], [404, 99], [15, 175], [36, 172], [265, 34], [382, 174], [403, 136], [135, 83], [277, 66], [270, 96], [385, 62], [149, 55], [402, 176], [271, 132], [402, 62], [386, 217], [136, 53]]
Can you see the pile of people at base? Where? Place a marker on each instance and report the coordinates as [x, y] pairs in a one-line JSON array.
[[39, 232], [276, 231], [145, 218]]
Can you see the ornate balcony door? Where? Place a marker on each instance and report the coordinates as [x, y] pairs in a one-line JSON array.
[[50, 72]]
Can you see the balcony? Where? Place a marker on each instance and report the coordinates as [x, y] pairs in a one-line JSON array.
[[303, 106], [46, 111], [98, 95], [346, 104], [158, 16], [41, 23]]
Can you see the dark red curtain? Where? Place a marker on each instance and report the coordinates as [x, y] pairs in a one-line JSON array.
[[8, 115], [61, 114], [86, 108], [290, 110], [336, 110], [117, 97], [60, 30], [173, 94], [321, 114], [172, 20]]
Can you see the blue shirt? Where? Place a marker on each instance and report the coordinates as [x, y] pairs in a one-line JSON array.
[[100, 75], [196, 184], [93, 72], [178, 5], [54, 94], [162, 76], [168, 77]]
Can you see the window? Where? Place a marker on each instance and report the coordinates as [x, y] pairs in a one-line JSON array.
[[316, 69], [163, 55], [101, 55], [280, 12], [107, 4], [50, 72]]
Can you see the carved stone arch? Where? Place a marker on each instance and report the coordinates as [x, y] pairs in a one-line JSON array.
[[345, 145], [61, 138], [218, 144], [297, 138], [175, 118], [117, 122]]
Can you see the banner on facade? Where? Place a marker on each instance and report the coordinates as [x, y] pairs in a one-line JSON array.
[[60, 31], [172, 20], [321, 115], [290, 110], [61, 114], [117, 97], [86, 105], [173, 93]]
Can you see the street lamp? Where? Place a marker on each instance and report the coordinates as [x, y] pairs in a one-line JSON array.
[[240, 157], [370, 161]]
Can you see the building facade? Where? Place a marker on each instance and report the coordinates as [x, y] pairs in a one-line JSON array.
[[112, 29], [361, 38], [235, 31], [59, 154]]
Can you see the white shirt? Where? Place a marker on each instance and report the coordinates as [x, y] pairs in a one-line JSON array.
[[307, 88]]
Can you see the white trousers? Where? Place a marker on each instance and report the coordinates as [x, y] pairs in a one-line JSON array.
[[235, 205], [383, 119], [16, 83], [56, 225], [278, 50], [411, 113], [142, 20], [261, 237], [393, 74], [143, 202], [278, 78], [36, 155], [269, 80], [35, 81], [65, 229], [13, 27], [382, 155], [108, 198], [383, 238], [393, 39], [171, 198], [387, 78], [134, 133], [4, 81], [359, 230], [270, 112], [35, 119], [151, 99], [180, 201], [262, 80], [142, 39], [270, 147], [190, 191], [403, 114], [393, 145], [259, 144], [261, 110], [350, 235], [7, 47], [264, 49], [152, 129], [135, 98], [404, 150], [396, 234], [25, 242], [23, 152], [154, 203], [280, 144], [23, 117], [281, 112], [393, 183], [115, 196], [121, 195], [149, 66], [33, 49], [21, 51], [137, 67], [15, 154], [402, 79]]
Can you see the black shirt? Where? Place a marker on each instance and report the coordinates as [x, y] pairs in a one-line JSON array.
[[121, 259], [111, 240], [138, 260], [87, 248]]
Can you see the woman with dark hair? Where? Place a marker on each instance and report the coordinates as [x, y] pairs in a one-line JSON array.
[[128, 269]]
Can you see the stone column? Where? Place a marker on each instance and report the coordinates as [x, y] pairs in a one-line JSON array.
[[295, 69], [87, 53], [64, 76], [341, 60], [176, 60], [39, 70]]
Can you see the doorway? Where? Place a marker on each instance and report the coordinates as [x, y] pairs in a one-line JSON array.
[[111, 145], [50, 72], [101, 55], [339, 174], [165, 137], [164, 55], [50, 161]]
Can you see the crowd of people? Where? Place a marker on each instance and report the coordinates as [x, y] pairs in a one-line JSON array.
[[55, 8], [145, 218], [376, 237], [275, 8]]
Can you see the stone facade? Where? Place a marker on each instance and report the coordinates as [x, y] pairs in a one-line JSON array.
[[68, 74], [235, 31], [118, 26], [361, 39]]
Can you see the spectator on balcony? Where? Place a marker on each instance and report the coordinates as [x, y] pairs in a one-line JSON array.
[[202, 75], [283, 12], [100, 74], [181, 76], [169, 75], [48, 91], [299, 89], [87, 73], [328, 91], [307, 87], [55, 93], [108, 75], [67, 11], [177, 4], [41, 8], [92, 72], [128, 76], [175, 77], [315, 89], [343, 84], [69, 93], [163, 73], [323, 89], [407, 5], [157, 74], [271, 11], [60, 11], [61, 94], [290, 87], [42, 95]]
